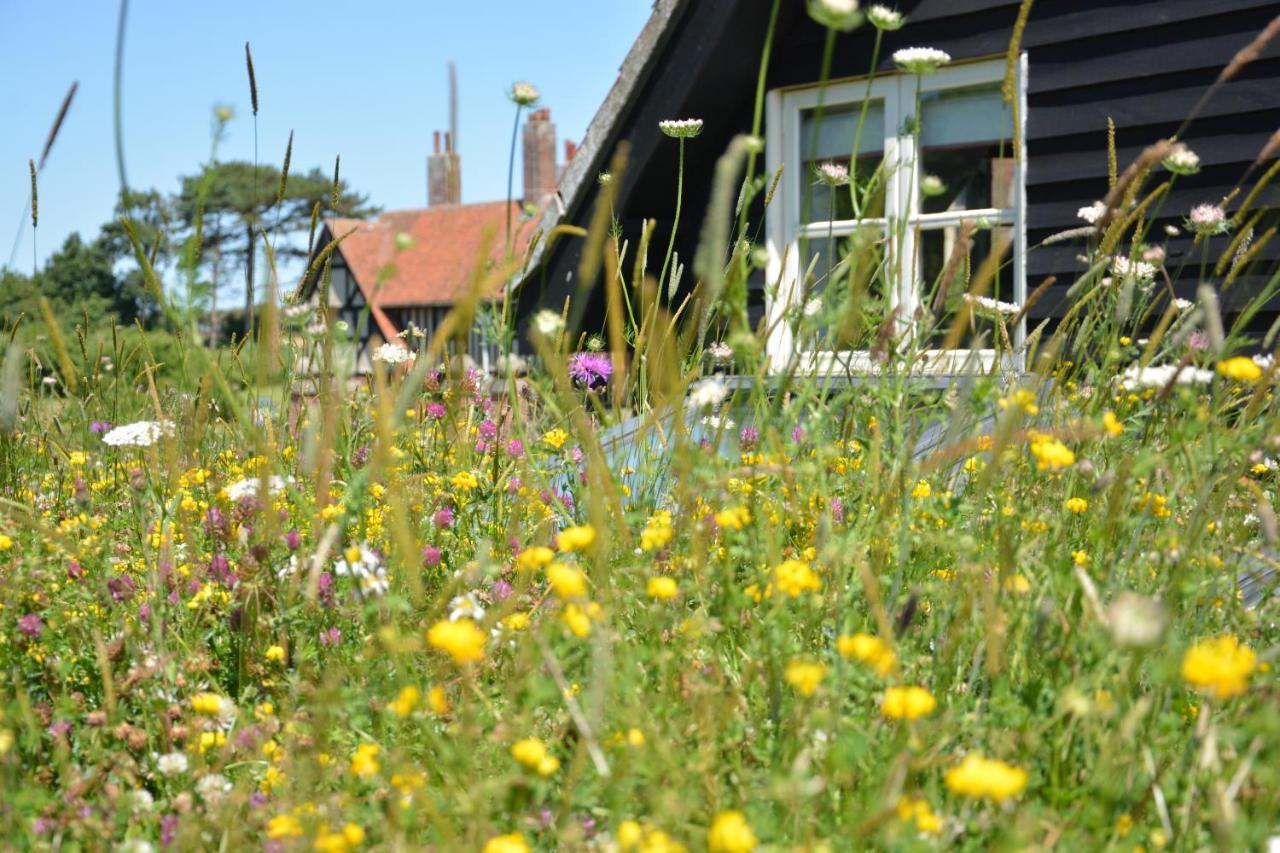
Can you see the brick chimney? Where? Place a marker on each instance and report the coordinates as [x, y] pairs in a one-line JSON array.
[[444, 174], [539, 157]]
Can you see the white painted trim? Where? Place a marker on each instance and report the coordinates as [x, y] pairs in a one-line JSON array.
[[897, 92]]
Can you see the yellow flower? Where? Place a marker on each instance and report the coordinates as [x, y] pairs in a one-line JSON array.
[[364, 761], [794, 578], [1023, 398], [464, 481], [438, 701], [208, 704], [661, 588], [6, 542], [346, 839], [284, 826], [805, 676], [1240, 369], [1220, 667], [635, 738], [6, 741], [984, 778], [462, 640], [576, 538], [1076, 505], [1080, 558], [629, 834], [532, 754], [917, 809], [535, 557], [1051, 453], [275, 654], [403, 704], [921, 490], [512, 842], [577, 620], [872, 651], [517, 621], [907, 703], [733, 518], [555, 439], [1112, 424], [730, 833], [567, 581], [657, 531]]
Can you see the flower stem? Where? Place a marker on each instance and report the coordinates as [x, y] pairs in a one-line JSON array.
[[511, 171], [675, 223]]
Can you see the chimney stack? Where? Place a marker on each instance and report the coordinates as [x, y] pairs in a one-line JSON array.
[[539, 157], [444, 168]]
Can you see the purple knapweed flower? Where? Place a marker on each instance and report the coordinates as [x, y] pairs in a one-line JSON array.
[[99, 427], [590, 369]]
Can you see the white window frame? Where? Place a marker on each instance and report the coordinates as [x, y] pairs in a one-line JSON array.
[[897, 92]]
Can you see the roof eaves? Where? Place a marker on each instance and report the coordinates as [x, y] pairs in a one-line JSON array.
[[582, 170]]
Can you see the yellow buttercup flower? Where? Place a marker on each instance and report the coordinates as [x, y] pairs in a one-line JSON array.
[[576, 538], [805, 676], [533, 755], [364, 761], [1112, 424], [534, 557], [730, 833], [462, 640], [275, 654], [794, 578], [555, 438], [662, 588], [915, 809], [406, 701], [1051, 454], [1075, 505], [1220, 667], [921, 490], [567, 581], [208, 704], [733, 518], [1240, 369], [512, 842], [657, 531], [284, 826], [983, 778], [438, 701], [868, 649], [907, 703]]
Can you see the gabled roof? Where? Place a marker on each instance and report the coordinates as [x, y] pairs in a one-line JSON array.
[[448, 242]]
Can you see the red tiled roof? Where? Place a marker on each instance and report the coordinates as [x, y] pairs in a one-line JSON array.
[[447, 245]]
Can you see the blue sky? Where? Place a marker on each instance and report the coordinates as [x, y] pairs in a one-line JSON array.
[[366, 80]]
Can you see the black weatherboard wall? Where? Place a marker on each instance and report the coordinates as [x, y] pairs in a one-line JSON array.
[[1143, 63]]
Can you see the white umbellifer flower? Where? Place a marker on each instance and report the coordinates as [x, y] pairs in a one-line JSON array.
[[525, 94], [718, 423], [548, 323], [1183, 304], [138, 434], [932, 185], [1092, 213], [1182, 161], [172, 763], [392, 354], [1141, 271], [465, 607], [358, 562], [837, 14], [1160, 375], [683, 128], [1207, 219], [832, 174], [813, 307], [1135, 621], [920, 60], [720, 352], [707, 393], [884, 18], [987, 305], [247, 487], [213, 787]]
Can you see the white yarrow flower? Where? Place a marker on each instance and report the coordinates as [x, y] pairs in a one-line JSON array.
[[987, 305], [247, 487], [720, 352], [1182, 161], [392, 354], [1092, 213], [548, 323], [920, 60], [1122, 268], [707, 394], [524, 94], [838, 14], [684, 128], [1160, 375], [138, 434]]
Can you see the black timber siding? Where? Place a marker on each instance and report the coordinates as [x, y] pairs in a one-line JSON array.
[[1143, 63]]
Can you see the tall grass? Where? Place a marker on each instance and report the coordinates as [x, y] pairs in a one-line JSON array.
[[675, 602]]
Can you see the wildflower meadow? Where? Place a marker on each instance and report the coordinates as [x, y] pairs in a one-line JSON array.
[[645, 588]]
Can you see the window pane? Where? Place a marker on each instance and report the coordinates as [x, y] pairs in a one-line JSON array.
[[829, 140], [949, 262], [843, 298], [966, 138]]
